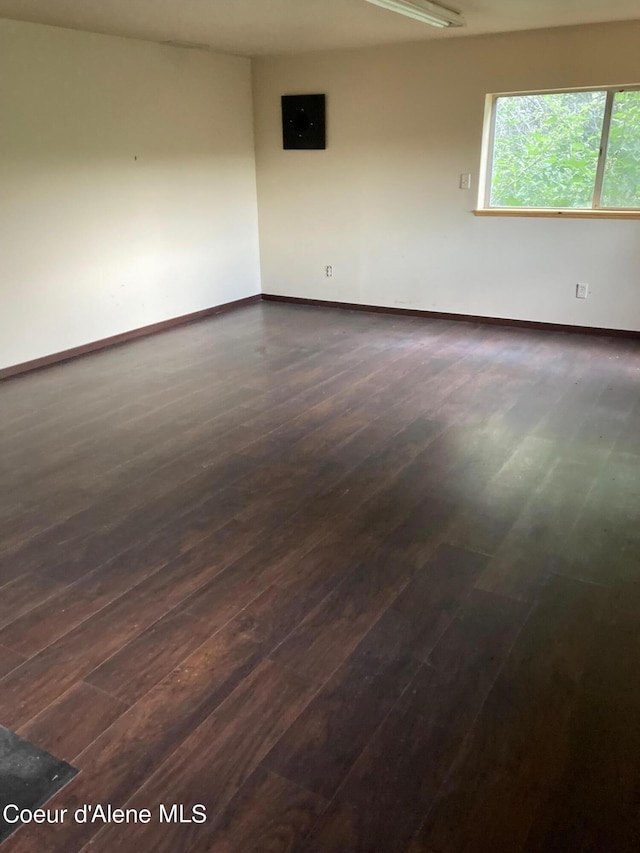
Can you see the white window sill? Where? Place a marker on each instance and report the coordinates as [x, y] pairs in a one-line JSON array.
[[564, 213]]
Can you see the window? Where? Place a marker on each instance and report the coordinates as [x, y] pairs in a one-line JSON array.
[[558, 152]]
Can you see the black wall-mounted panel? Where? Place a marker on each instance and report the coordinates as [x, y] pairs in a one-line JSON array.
[[304, 122]]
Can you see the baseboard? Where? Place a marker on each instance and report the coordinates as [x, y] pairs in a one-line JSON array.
[[123, 337], [163, 325], [465, 318]]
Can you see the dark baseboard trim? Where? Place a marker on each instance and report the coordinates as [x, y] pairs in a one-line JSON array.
[[154, 328], [124, 337], [464, 318]]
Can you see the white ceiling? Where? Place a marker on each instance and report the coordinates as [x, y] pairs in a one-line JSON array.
[[282, 26]]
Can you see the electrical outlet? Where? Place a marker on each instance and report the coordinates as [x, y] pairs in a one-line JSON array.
[[328, 270], [465, 182], [582, 291]]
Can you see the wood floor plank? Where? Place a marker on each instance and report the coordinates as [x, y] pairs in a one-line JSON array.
[[368, 582], [44, 677], [79, 601], [435, 595], [599, 779], [68, 726], [9, 660], [454, 683], [83, 498], [628, 439], [268, 813], [225, 428], [148, 658], [22, 594], [381, 799], [604, 542], [146, 364], [381, 802], [232, 740], [485, 524], [130, 750], [81, 523], [528, 554], [493, 796], [321, 746], [327, 635], [81, 553]]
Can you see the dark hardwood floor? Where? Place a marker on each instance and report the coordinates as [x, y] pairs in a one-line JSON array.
[[352, 582]]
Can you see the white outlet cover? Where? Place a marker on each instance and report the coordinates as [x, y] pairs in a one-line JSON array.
[[582, 291]]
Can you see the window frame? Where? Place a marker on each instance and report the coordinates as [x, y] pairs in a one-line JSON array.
[[485, 208]]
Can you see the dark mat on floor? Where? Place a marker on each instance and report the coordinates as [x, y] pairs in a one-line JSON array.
[[29, 777]]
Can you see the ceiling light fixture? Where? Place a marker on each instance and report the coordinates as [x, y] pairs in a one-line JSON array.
[[423, 10]]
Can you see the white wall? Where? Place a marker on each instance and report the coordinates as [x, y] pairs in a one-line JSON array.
[[382, 204], [92, 241]]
